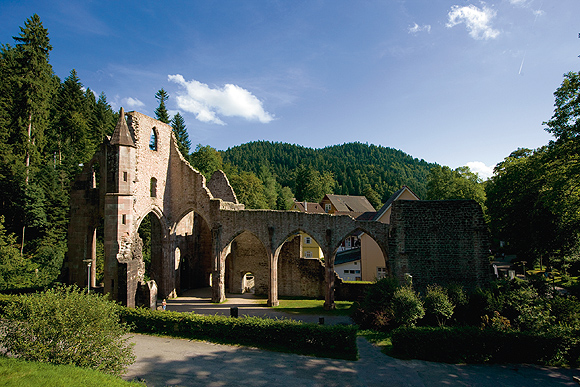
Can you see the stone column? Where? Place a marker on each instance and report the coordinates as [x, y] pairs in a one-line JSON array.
[[218, 290], [273, 270], [329, 265]]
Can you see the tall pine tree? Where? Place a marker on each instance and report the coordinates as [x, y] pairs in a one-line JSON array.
[[180, 132], [161, 111]]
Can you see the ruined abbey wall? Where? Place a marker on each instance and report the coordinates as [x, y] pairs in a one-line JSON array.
[[442, 242], [202, 236]]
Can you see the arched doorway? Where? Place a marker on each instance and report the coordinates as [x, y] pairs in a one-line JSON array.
[[360, 258], [192, 253], [301, 269], [248, 256], [151, 234]]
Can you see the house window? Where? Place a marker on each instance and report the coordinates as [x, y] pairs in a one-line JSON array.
[[327, 207], [153, 192], [307, 240], [347, 242], [381, 272], [308, 254], [153, 139], [356, 263]]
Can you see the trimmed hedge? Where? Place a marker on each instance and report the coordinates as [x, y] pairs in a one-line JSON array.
[[475, 345], [336, 341]]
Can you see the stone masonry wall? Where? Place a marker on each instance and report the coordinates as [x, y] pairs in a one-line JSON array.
[[248, 255], [299, 277], [439, 242]]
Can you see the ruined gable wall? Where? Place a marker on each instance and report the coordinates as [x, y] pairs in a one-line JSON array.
[[220, 187], [439, 242], [149, 163]]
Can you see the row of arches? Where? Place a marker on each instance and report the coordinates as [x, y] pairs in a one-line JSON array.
[[188, 255]]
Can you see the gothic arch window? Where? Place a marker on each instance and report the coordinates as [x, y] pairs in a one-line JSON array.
[[153, 192], [153, 139]]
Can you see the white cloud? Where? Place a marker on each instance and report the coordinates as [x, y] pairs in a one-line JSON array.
[[519, 2], [229, 101], [484, 171], [132, 103], [417, 28], [477, 21]]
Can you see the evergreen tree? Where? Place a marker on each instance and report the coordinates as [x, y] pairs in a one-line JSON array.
[[71, 125], [161, 112], [35, 88], [180, 132], [28, 84]]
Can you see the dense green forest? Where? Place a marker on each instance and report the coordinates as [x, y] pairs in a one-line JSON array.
[[358, 169], [49, 127]]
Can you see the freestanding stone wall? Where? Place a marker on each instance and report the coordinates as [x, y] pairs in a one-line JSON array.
[[439, 242]]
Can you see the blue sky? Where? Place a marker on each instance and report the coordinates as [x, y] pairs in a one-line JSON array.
[[453, 82]]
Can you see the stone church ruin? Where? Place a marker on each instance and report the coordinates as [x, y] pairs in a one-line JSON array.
[[201, 236]]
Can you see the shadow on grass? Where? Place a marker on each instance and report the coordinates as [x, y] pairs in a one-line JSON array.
[[297, 305]]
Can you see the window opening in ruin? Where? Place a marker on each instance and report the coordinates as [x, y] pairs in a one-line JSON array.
[[248, 285], [153, 139], [124, 219], [153, 189], [100, 253], [95, 175], [124, 176]]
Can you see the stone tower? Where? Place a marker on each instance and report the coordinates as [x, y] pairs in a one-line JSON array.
[[118, 214]]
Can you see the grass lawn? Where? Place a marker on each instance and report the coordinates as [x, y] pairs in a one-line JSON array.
[[19, 373], [381, 339], [309, 306], [557, 278]]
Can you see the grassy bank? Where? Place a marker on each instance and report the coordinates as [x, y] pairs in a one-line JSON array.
[[19, 373]]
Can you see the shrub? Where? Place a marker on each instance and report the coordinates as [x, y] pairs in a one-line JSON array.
[[437, 304], [66, 326], [407, 307], [375, 310], [337, 341], [475, 345]]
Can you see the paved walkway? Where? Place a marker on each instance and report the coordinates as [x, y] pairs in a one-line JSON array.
[[178, 362]]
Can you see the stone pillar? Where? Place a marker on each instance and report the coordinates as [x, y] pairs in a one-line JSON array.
[[329, 256], [218, 290], [273, 270], [273, 283], [93, 258]]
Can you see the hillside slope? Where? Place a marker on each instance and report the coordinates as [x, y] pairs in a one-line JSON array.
[[354, 165]]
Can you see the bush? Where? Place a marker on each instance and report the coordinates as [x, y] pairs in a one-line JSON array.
[[338, 341], [437, 305], [475, 345], [375, 310], [66, 326], [407, 307]]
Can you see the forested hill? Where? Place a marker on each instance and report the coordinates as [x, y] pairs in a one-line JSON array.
[[355, 166]]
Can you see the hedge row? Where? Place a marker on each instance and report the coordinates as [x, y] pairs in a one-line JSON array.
[[475, 345], [336, 341]]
